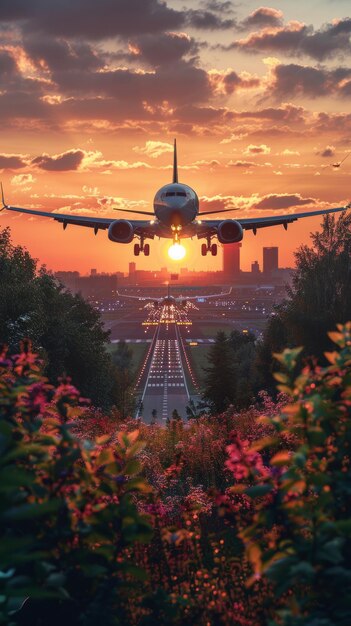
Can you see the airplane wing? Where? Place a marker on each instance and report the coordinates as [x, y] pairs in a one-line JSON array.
[[253, 223], [212, 295], [97, 223]]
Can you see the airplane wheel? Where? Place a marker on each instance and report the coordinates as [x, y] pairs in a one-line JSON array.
[[214, 249], [136, 249], [203, 249], [147, 249]]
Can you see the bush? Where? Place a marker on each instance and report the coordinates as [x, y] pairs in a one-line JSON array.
[[67, 510]]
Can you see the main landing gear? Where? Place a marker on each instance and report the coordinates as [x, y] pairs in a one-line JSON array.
[[208, 247], [141, 247]]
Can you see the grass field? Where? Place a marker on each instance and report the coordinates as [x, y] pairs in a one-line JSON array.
[[139, 352]]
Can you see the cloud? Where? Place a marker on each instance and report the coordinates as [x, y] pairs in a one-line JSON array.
[[154, 149], [12, 161], [253, 150], [57, 54], [92, 19], [261, 17], [328, 151], [208, 20], [21, 180], [297, 39], [162, 48], [243, 164], [283, 201], [301, 80], [229, 81], [70, 160]]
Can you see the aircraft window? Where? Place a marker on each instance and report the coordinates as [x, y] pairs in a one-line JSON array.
[[170, 193], [181, 193]]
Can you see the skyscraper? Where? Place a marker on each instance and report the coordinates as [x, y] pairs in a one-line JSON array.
[[270, 260], [231, 260]]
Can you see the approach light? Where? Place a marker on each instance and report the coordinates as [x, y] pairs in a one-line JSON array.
[[176, 252]]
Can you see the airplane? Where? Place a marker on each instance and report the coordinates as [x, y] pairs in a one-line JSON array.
[[170, 300], [175, 216]]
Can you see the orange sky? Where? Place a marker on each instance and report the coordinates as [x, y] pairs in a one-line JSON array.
[[256, 96]]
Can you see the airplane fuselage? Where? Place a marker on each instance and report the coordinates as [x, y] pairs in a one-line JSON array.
[[176, 205]]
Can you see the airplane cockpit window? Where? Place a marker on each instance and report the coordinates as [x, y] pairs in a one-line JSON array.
[[170, 193], [181, 193]]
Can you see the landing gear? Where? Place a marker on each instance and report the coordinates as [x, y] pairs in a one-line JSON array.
[[141, 247], [208, 247]]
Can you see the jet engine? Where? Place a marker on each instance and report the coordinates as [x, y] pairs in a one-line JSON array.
[[229, 231], [121, 231]]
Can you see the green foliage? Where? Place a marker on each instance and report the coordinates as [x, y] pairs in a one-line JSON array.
[[65, 329], [320, 297], [67, 509], [300, 535], [230, 376], [122, 359]]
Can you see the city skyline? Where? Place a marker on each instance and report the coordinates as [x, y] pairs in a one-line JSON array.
[[256, 96]]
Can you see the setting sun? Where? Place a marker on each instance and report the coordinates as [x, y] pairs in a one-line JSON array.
[[176, 252]]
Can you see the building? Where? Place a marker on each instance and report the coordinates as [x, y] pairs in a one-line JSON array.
[[132, 268], [255, 268], [270, 260], [231, 260]]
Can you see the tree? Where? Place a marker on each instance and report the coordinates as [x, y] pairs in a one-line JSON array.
[[65, 330], [319, 298], [124, 378], [219, 379]]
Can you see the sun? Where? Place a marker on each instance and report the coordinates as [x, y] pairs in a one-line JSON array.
[[176, 252]]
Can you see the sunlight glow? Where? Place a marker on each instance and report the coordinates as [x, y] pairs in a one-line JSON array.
[[176, 252]]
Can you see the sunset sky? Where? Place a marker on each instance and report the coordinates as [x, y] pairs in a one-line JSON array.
[[92, 93]]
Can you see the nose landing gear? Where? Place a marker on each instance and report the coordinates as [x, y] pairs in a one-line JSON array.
[[208, 247]]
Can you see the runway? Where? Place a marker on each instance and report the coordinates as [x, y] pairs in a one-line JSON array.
[[163, 382]]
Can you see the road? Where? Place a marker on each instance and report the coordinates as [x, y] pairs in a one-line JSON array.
[[162, 383]]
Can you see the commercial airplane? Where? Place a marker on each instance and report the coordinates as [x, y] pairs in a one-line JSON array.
[[170, 300], [175, 216]]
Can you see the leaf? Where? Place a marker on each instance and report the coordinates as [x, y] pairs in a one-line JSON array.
[[258, 490], [281, 458], [331, 357], [337, 338], [133, 467], [280, 377], [28, 511]]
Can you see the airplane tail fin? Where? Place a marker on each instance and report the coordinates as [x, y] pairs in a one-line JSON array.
[[175, 164]]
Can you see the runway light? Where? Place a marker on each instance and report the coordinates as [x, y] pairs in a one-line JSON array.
[[176, 252]]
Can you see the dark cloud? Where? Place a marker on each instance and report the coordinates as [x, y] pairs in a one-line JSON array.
[[163, 48], [244, 164], [232, 81], [296, 39], [11, 162], [328, 151], [59, 54], [283, 201], [8, 66], [187, 83], [219, 7], [285, 113], [299, 80], [262, 17], [69, 160], [207, 20], [103, 19]]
